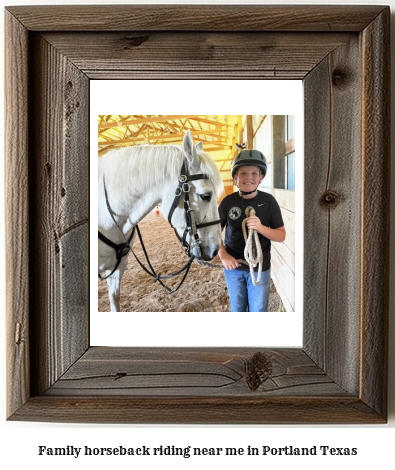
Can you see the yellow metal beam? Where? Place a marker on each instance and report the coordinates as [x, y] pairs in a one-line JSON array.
[[152, 119], [175, 137]]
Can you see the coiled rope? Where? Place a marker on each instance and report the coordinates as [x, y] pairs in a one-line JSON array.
[[252, 251]]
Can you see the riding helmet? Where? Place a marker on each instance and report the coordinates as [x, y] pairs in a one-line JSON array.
[[249, 157]]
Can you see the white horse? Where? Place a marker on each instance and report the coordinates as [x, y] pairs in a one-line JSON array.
[[134, 180]]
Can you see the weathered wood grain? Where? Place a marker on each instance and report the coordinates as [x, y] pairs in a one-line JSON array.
[[17, 212], [198, 410], [192, 386], [208, 372], [60, 202], [339, 376], [196, 18], [317, 112], [200, 55], [375, 151], [332, 156]]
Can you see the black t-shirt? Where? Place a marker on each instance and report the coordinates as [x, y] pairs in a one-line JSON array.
[[232, 213]]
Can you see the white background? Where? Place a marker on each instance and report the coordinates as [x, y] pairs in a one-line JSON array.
[[19, 441], [270, 330]]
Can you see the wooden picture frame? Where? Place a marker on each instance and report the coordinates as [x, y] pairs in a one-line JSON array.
[[340, 374]]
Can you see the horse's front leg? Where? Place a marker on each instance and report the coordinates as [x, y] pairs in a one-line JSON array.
[[114, 286]]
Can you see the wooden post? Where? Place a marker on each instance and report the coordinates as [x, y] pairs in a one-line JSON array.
[[278, 152], [250, 132]]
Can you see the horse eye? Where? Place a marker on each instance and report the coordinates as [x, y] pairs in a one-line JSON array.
[[205, 197]]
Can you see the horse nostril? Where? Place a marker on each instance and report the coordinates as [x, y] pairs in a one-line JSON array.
[[215, 253]]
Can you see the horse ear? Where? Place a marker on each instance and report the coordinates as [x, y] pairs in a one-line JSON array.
[[190, 151], [199, 146]]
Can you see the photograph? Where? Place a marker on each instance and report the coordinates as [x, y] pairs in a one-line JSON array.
[[174, 199]]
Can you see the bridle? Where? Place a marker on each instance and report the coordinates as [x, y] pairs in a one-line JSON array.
[[190, 219], [183, 188]]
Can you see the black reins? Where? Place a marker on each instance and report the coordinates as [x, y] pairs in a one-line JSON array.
[[159, 277], [123, 249]]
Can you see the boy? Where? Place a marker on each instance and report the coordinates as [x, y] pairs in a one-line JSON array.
[[248, 171]]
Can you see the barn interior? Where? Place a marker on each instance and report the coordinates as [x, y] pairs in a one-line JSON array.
[[273, 135]]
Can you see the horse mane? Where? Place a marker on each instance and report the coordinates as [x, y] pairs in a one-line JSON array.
[[208, 167], [149, 164]]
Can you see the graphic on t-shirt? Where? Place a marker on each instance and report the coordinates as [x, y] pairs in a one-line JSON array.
[[234, 213]]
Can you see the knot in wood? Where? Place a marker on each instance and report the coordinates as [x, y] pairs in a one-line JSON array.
[[330, 199], [259, 369], [133, 42], [339, 77]]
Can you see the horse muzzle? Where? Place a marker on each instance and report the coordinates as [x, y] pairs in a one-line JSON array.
[[204, 253]]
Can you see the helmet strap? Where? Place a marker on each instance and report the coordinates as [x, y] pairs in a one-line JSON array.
[[246, 193]]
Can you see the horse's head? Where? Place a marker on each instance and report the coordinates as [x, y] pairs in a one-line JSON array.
[[195, 217]]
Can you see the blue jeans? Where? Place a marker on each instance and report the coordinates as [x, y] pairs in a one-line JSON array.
[[243, 293]]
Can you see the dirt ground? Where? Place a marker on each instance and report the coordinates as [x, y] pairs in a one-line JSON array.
[[204, 289]]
